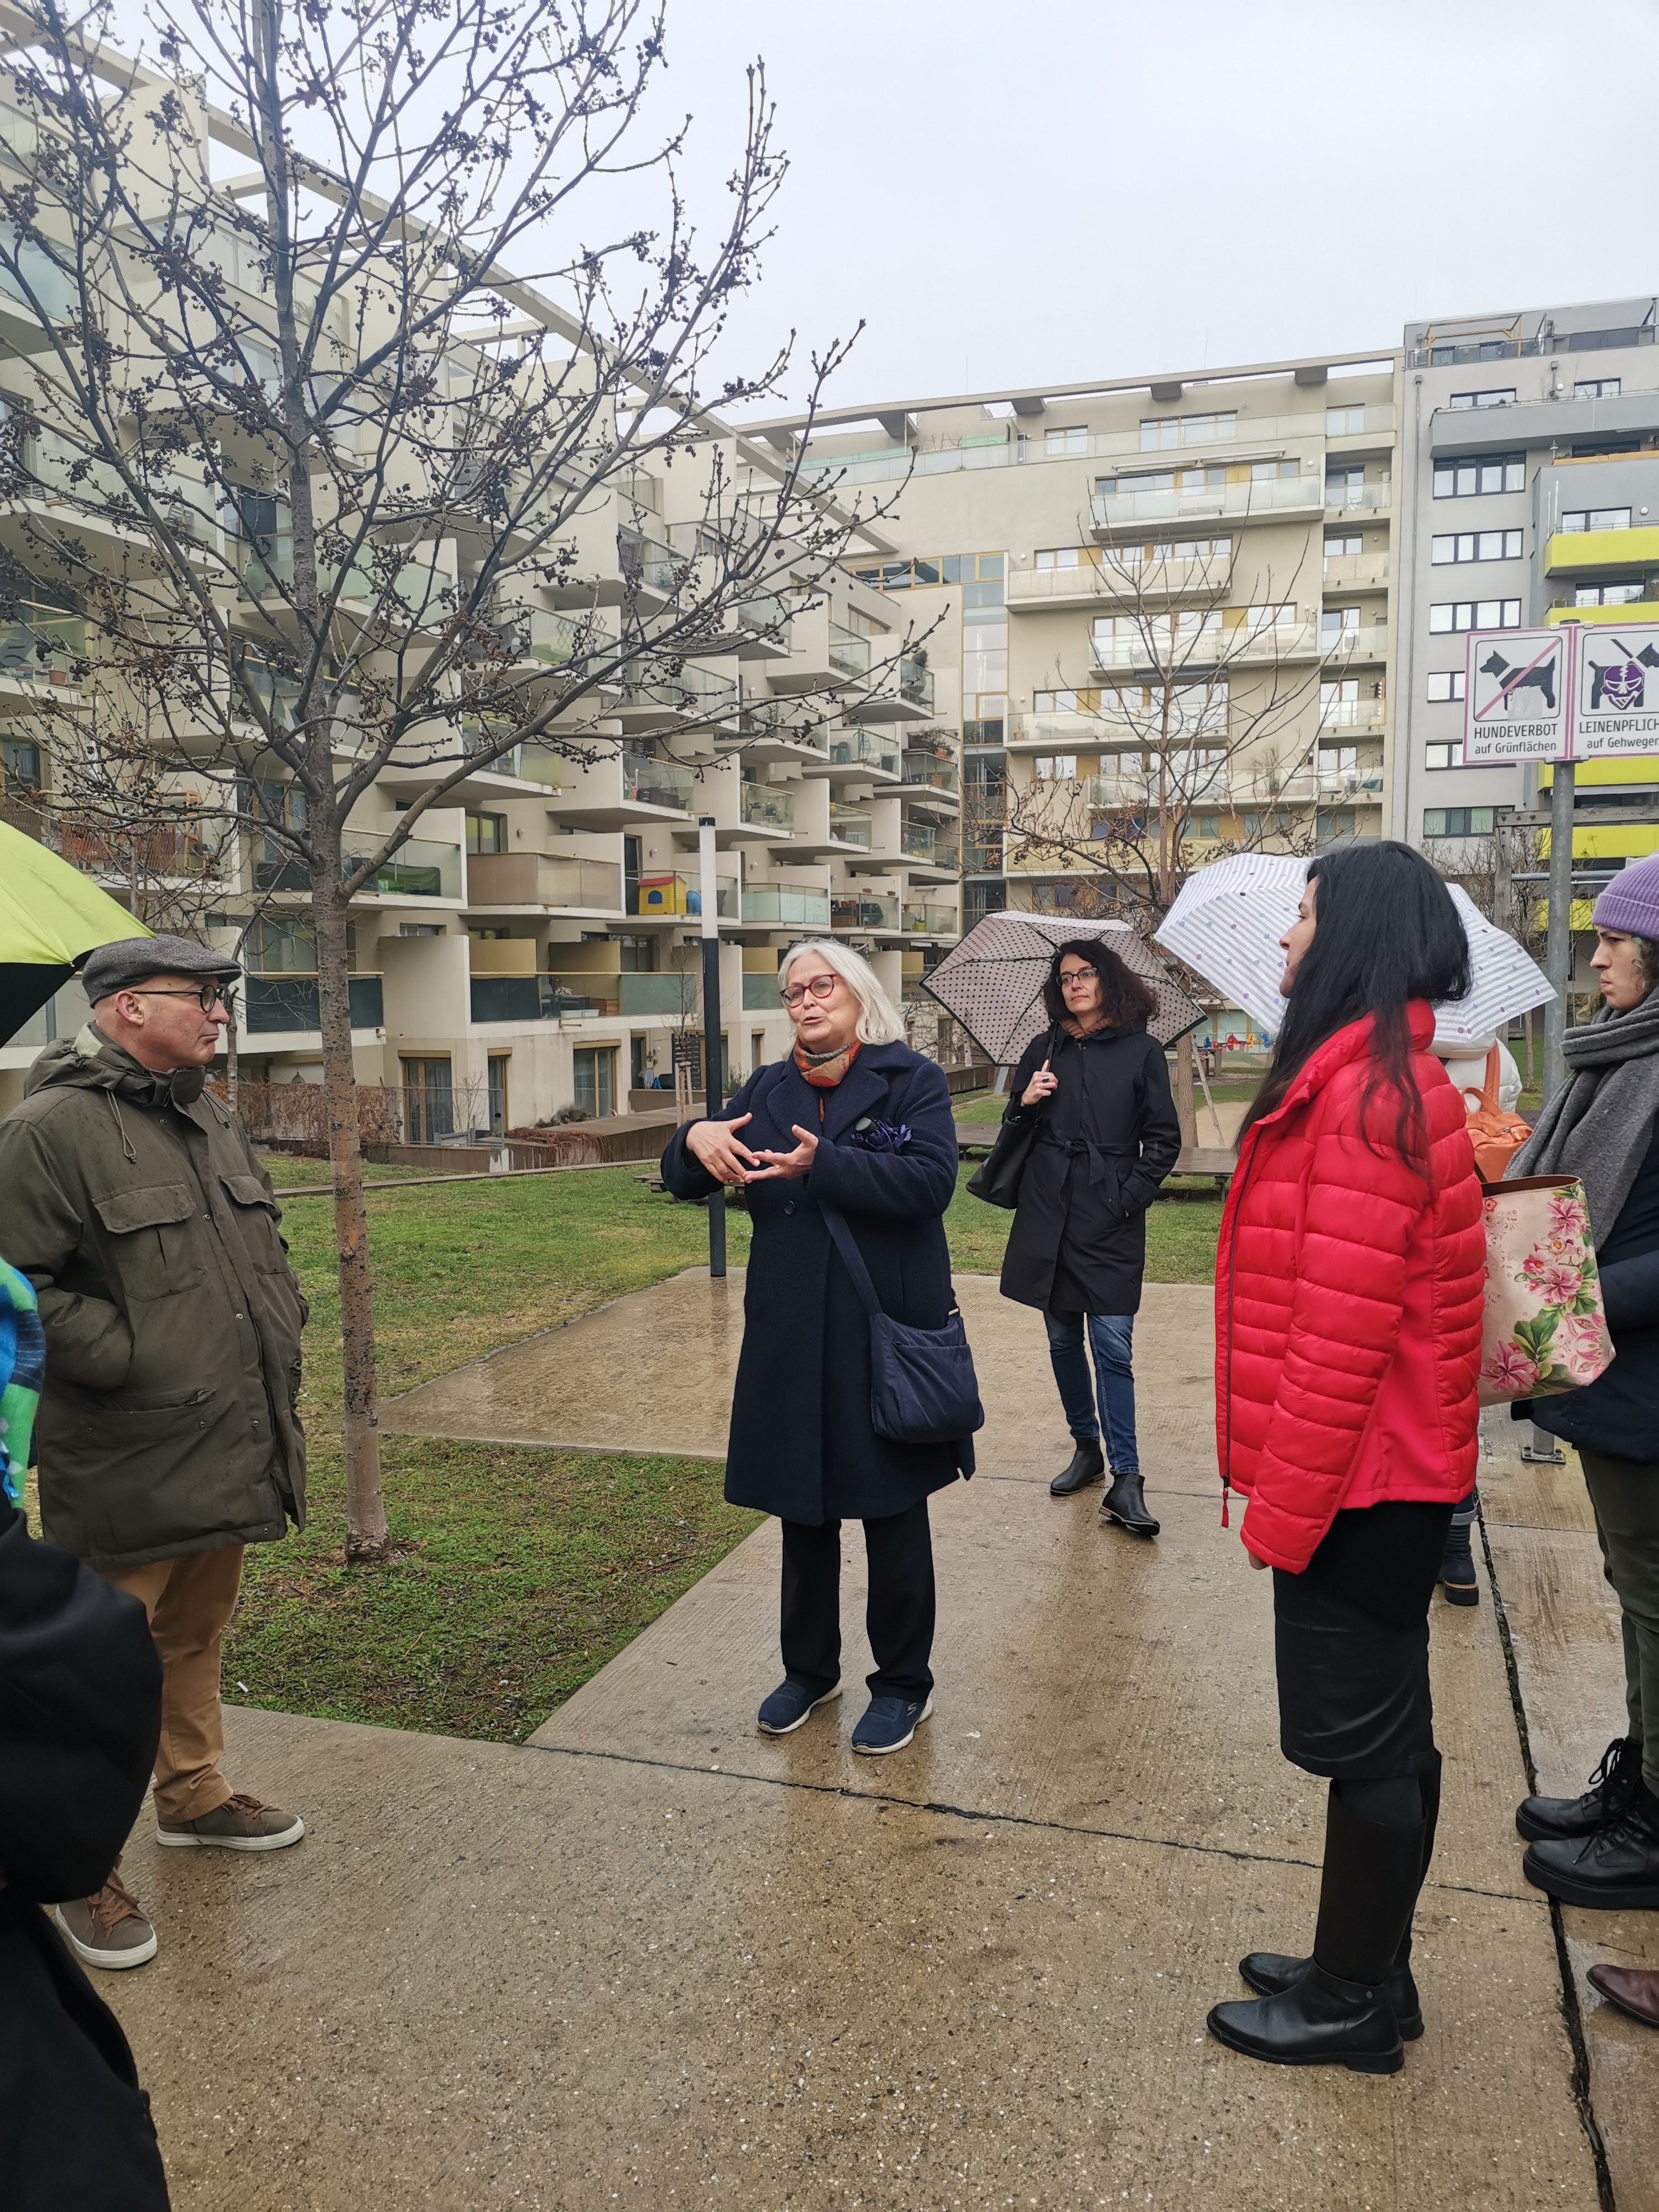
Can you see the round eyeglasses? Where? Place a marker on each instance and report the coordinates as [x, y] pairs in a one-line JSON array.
[[207, 995], [819, 986]]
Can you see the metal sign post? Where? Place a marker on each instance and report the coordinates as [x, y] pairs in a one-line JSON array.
[[1558, 942], [710, 925]]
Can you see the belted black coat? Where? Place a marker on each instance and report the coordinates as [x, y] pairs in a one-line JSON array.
[[1105, 1141], [802, 1445]]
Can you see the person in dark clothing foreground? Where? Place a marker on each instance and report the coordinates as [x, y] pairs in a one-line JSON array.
[[80, 1713], [1097, 1087], [1602, 1848]]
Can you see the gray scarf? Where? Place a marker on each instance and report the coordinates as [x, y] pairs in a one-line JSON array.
[[1600, 1123]]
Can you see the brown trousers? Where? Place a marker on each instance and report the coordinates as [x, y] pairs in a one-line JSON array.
[[189, 1603]]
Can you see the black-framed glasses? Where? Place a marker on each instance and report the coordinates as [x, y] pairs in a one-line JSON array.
[[1076, 975], [819, 986], [206, 996]]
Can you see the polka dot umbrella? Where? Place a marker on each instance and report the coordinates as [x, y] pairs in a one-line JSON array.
[[993, 982]]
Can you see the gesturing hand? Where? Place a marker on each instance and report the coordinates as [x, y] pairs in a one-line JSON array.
[[797, 1163], [715, 1144], [1040, 1087]]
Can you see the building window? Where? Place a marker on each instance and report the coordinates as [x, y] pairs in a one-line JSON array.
[[1209, 825], [1445, 685], [1159, 434], [1336, 620], [595, 1068], [1344, 421], [428, 1101], [1475, 545], [1059, 556], [1344, 549], [1597, 387], [1609, 595], [496, 1086], [1504, 397], [1337, 824], [20, 765], [1281, 615], [1474, 614], [1596, 517], [1345, 487], [1472, 479], [1273, 471], [1056, 768], [1447, 754], [1276, 824], [1457, 821], [486, 833], [1074, 439]]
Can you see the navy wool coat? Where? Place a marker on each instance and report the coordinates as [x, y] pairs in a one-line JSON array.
[[802, 1445]]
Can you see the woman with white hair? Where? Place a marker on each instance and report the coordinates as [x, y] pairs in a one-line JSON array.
[[852, 1119]]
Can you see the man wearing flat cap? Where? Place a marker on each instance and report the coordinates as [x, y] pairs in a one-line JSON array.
[[167, 1432]]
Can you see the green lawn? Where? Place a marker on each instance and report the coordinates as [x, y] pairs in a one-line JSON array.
[[518, 1572]]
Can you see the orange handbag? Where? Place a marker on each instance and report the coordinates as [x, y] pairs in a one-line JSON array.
[[1495, 1133]]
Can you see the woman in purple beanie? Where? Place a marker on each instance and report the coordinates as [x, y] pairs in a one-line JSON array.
[[1602, 1848]]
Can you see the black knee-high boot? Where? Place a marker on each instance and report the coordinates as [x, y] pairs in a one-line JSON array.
[[1338, 2009]]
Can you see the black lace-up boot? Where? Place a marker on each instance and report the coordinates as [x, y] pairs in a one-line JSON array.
[[1613, 1788]]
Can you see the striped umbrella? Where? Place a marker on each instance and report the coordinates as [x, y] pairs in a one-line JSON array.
[[993, 982], [50, 917], [1227, 920]]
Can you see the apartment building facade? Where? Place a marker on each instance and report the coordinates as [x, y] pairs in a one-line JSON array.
[[1170, 596], [536, 944], [1530, 497]]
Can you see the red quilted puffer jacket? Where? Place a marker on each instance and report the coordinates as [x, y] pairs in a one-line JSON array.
[[1347, 1302]]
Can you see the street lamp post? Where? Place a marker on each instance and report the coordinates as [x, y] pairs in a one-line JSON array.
[[710, 925]]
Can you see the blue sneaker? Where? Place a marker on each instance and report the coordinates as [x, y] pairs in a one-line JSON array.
[[889, 1723], [790, 1704]]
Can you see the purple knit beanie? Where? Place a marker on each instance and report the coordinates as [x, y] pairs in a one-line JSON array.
[[1631, 902]]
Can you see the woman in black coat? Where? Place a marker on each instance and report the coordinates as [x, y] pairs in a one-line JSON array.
[[855, 1120], [1097, 1088]]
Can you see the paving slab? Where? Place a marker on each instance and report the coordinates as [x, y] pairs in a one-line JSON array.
[[1564, 1623], [653, 1956], [493, 1976]]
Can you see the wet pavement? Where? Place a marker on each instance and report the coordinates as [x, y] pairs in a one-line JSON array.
[[653, 1957]]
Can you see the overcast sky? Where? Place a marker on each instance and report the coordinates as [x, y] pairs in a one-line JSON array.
[[1012, 195]]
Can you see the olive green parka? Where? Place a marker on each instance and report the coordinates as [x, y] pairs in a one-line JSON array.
[[142, 1217]]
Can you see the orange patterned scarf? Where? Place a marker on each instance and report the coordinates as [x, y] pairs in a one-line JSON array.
[[825, 1070]]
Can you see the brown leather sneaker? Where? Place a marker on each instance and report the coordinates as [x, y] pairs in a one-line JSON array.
[[240, 1824], [108, 1930], [1634, 1990]]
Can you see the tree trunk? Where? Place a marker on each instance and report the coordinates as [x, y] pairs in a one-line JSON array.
[[366, 1529], [1185, 1108]]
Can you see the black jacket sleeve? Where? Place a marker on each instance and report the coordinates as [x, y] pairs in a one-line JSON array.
[[80, 1714], [1629, 1290], [1159, 1132], [1030, 1061]]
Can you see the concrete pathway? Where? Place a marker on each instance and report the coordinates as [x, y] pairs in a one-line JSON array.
[[655, 1958]]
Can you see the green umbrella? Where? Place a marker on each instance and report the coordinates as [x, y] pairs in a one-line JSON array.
[[50, 917]]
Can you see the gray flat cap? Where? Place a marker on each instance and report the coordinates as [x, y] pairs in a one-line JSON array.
[[132, 960]]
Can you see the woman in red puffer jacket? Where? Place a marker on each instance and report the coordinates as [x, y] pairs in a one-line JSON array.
[[1348, 1297]]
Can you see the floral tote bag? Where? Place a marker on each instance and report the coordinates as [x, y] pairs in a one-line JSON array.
[[1543, 1330]]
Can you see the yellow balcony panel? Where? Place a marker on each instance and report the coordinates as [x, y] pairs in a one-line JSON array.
[[1571, 552], [1615, 769], [501, 956], [1639, 610]]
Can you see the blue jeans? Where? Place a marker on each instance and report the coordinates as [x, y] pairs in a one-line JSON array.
[[1109, 1338]]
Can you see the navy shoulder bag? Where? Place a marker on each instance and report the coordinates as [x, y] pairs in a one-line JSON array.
[[923, 1389]]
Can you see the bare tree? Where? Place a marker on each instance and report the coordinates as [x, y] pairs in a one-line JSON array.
[[347, 457], [1504, 873], [1203, 706]]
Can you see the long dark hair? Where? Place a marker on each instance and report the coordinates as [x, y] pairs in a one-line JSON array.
[[1385, 932], [1124, 1000]]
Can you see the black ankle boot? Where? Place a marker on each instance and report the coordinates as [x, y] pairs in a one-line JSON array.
[[1125, 1504], [1612, 1788], [1614, 1871], [1319, 2020], [1087, 1464], [1456, 1576]]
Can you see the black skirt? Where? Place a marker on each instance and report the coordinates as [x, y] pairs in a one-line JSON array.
[[1351, 1642]]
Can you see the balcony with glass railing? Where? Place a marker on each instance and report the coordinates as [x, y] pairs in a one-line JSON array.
[[1128, 507], [850, 826], [648, 566], [765, 806], [865, 910], [923, 841], [849, 654], [925, 921], [41, 645], [670, 698], [928, 769], [274, 1003], [785, 906], [1354, 713], [864, 749], [420, 868], [900, 690], [557, 883], [648, 781], [1343, 498]]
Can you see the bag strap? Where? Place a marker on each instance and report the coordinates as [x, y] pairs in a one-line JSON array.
[[852, 1259], [1489, 1088]]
